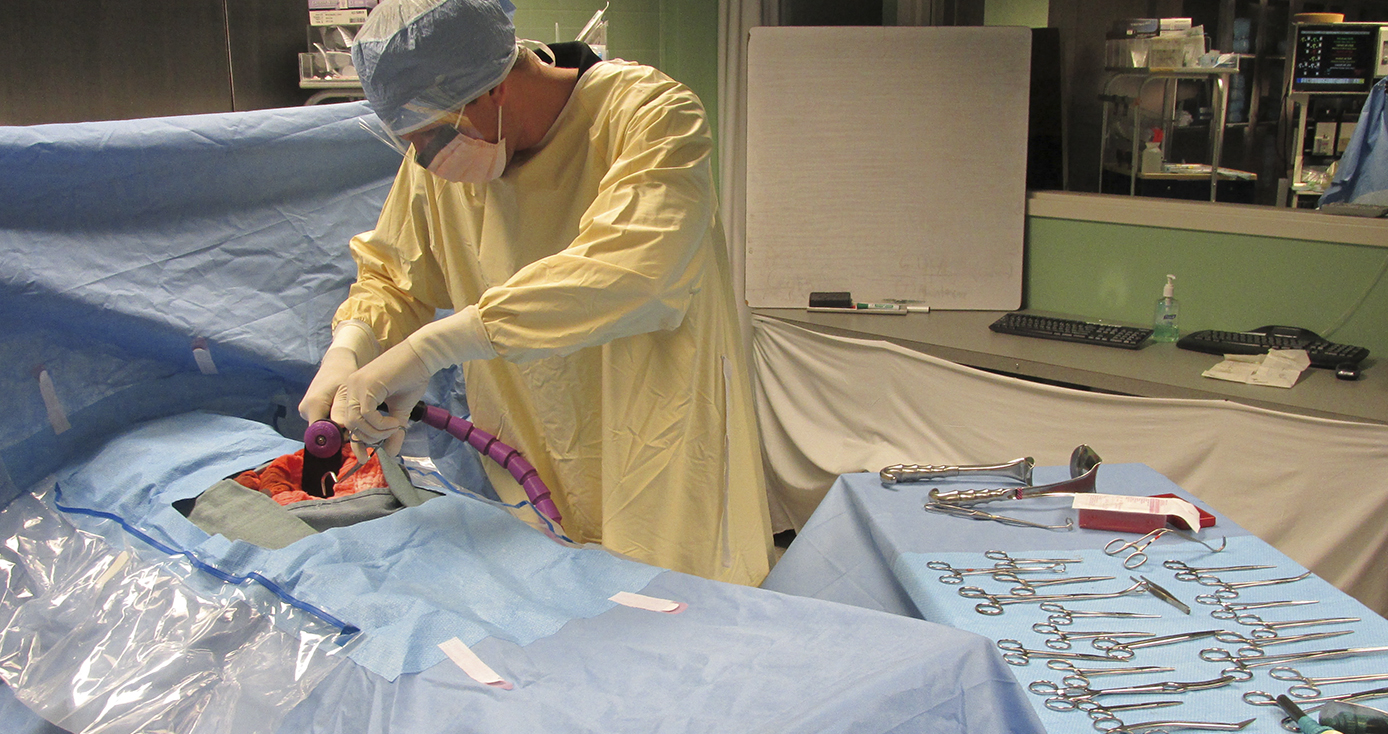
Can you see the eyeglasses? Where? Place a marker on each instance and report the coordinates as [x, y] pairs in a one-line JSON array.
[[434, 139]]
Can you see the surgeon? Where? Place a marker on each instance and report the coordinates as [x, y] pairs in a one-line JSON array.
[[563, 208]]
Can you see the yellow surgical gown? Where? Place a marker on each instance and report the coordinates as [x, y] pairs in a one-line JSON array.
[[601, 276]]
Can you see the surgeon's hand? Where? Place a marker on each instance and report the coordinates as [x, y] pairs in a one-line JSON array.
[[397, 378], [353, 346]]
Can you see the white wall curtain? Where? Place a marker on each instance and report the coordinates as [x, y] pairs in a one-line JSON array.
[[735, 19], [1313, 488]]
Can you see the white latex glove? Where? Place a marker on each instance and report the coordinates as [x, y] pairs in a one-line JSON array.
[[399, 377], [353, 346]]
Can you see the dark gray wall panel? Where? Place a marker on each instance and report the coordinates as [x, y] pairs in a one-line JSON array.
[[266, 39], [111, 59]]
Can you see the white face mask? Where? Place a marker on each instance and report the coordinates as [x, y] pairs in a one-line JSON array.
[[469, 160]]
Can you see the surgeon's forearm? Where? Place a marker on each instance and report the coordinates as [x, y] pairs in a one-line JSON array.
[[452, 340]]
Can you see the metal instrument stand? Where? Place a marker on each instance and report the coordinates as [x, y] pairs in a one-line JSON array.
[[1170, 77]]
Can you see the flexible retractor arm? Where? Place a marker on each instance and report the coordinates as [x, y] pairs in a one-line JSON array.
[[508, 457]]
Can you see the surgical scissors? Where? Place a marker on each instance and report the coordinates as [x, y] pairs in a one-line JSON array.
[[1156, 726], [1259, 698], [1241, 664], [972, 514], [956, 575], [995, 602], [1108, 644], [1185, 572], [1139, 546], [1061, 640], [1137, 557], [1062, 616], [1304, 687], [1066, 698], [1015, 654], [1228, 590]]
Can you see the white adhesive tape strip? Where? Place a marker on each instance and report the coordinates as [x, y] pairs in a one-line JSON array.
[[204, 358], [471, 664], [114, 569], [57, 416], [649, 603]]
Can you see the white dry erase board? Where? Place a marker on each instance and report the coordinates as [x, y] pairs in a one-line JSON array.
[[888, 162]]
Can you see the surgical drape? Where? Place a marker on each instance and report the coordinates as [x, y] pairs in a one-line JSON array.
[[601, 276]]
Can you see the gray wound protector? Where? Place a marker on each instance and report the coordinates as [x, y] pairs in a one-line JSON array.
[[240, 513]]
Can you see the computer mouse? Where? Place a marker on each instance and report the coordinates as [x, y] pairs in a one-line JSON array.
[[1347, 371]]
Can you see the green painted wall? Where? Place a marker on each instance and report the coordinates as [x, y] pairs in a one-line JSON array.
[[679, 37], [1223, 281], [1030, 13]]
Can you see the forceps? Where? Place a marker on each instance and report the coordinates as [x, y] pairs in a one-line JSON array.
[[1108, 644], [1066, 698], [1006, 561], [1185, 572], [1228, 590], [1027, 587], [1253, 648], [972, 514], [1082, 675], [1241, 665], [1259, 698], [1230, 610], [1304, 687], [1062, 616], [1264, 629], [995, 603], [1100, 712], [956, 575], [1014, 654], [1061, 640]]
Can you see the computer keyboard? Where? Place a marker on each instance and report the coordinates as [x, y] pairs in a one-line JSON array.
[[1071, 330], [1258, 341], [1346, 208]]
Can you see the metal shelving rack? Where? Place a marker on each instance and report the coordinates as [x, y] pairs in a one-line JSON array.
[[1169, 78]]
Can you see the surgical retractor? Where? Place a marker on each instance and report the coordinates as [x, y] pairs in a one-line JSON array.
[[1017, 469], [1082, 484], [1084, 466]]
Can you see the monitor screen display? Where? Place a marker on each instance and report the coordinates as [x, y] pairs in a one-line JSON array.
[[1335, 58]]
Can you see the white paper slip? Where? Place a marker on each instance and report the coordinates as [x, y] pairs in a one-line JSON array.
[[471, 664], [1278, 368], [649, 603], [1145, 505]]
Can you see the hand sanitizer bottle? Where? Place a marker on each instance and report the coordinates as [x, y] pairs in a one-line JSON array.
[[1152, 160], [1164, 326]]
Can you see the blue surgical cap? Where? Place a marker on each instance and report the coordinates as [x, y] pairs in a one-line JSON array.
[[420, 59]]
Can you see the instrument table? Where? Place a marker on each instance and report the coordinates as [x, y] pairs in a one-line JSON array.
[[868, 545]]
